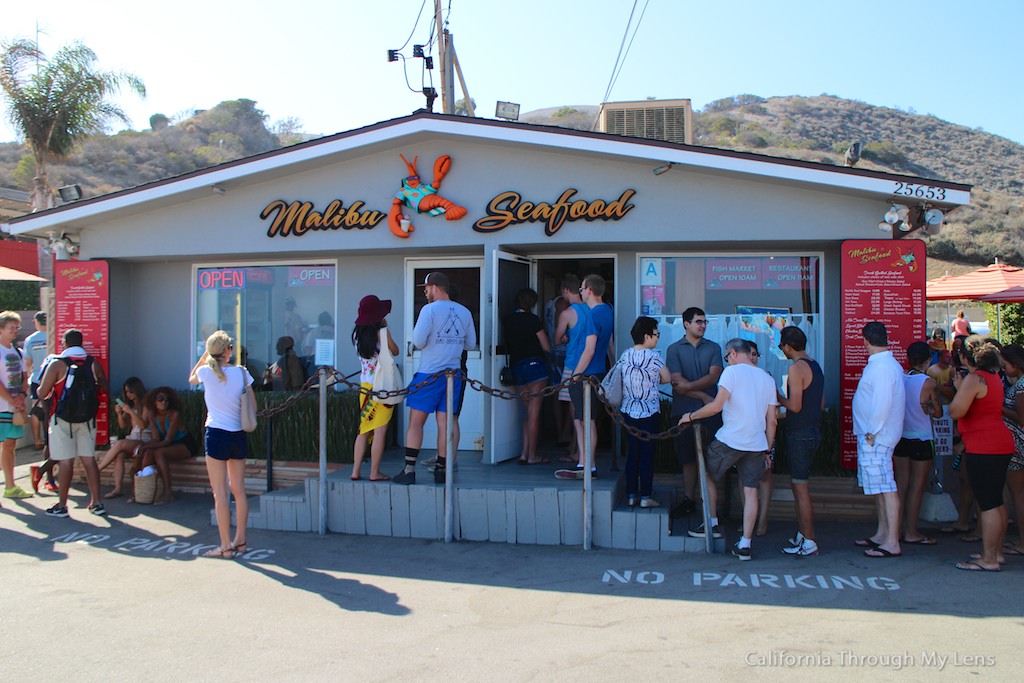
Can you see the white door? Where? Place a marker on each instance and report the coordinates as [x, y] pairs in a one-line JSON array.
[[464, 274], [510, 273]]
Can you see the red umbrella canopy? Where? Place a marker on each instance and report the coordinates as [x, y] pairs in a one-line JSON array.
[[976, 284], [1013, 295]]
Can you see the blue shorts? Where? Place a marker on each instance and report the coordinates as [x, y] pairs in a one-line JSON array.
[[224, 445], [530, 370], [8, 430], [432, 398], [801, 445]]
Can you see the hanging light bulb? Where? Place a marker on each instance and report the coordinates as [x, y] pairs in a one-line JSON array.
[[884, 227], [892, 216]]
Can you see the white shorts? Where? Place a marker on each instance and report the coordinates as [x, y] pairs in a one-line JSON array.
[[70, 440]]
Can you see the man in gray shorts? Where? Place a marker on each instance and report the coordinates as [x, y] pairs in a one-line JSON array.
[[746, 399]]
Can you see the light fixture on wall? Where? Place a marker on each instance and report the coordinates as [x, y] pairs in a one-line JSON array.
[[896, 216], [665, 168], [70, 193], [63, 247]]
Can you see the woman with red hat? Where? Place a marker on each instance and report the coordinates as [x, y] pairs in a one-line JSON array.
[[373, 416]]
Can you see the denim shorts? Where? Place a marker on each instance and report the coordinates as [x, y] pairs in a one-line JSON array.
[[529, 370], [801, 445], [224, 445]]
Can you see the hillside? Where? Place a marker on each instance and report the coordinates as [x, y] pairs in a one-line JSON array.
[[821, 129], [810, 128]]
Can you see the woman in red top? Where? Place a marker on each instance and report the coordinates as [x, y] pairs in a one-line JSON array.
[[988, 443]]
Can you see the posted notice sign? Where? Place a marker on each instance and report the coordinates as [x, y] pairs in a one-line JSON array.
[[83, 303], [882, 281]]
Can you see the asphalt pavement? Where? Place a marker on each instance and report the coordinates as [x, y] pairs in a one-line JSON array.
[[129, 596]]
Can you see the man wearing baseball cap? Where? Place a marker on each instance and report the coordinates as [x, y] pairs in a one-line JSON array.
[[443, 330]]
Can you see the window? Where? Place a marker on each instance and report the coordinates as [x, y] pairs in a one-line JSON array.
[[747, 296], [260, 305]]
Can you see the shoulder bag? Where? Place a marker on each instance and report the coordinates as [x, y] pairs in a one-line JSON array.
[[388, 377], [248, 406]]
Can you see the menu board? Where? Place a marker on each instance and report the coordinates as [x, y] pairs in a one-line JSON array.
[[82, 302], [882, 281]]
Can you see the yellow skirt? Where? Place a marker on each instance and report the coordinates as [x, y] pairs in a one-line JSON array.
[[371, 413]]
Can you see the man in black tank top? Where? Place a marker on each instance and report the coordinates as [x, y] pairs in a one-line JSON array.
[[803, 405]]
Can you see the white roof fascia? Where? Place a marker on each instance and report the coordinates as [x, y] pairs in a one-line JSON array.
[[764, 168]]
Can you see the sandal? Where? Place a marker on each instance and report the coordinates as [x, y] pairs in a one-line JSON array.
[[240, 548], [113, 494], [221, 553]]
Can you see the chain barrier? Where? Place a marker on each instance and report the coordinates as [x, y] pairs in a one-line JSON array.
[[504, 394]]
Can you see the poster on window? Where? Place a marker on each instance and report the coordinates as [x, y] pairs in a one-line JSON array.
[[882, 281], [82, 302]]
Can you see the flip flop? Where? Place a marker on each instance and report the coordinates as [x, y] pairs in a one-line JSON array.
[[865, 543], [953, 530], [921, 541], [977, 556], [382, 477], [355, 478], [1011, 549], [542, 461], [113, 494], [974, 567], [880, 553], [970, 538]]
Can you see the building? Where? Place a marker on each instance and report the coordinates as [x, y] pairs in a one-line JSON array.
[[287, 242]]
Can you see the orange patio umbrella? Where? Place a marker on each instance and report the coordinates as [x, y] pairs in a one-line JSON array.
[[19, 275], [976, 284]]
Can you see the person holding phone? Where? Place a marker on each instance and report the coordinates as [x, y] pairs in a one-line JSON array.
[[133, 418]]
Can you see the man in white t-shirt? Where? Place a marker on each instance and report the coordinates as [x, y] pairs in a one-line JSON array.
[[747, 400], [13, 391], [442, 332], [35, 354]]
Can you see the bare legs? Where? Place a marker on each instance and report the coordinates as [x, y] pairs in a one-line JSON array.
[[911, 476], [160, 457], [376, 453], [531, 426], [7, 461], [117, 454], [804, 509], [887, 535], [227, 478]]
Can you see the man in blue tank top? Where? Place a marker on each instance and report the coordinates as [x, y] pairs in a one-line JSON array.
[[804, 403]]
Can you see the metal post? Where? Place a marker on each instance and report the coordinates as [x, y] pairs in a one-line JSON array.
[[323, 450], [588, 461], [709, 540], [450, 457], [268, 439]]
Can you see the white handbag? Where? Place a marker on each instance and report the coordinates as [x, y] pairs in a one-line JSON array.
[[248, 407], [612, 386], [388, 376]]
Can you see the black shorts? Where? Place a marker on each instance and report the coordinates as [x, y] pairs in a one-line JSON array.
[[915, 449], [576, 396], [225, 445], [987, 474]]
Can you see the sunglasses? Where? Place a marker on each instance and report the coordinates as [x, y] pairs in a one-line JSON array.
[[161, 399]]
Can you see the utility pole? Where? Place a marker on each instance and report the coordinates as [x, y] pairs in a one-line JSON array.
[[442, 54]]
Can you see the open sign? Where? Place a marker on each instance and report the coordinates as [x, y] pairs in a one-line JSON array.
[[222, 278], [311, 276]]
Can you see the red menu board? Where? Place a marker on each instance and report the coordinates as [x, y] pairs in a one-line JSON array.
[[883, 281], [82, 302]]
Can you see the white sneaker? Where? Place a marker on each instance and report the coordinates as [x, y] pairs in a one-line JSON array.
[[796, 540], [805, 549]]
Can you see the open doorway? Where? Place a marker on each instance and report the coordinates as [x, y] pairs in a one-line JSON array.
[[556, 426]]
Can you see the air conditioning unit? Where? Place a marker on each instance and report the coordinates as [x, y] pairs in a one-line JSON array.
[[668, 120]]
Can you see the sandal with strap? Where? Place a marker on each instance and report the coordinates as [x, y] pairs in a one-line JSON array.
[[240, 548], [221, 553]]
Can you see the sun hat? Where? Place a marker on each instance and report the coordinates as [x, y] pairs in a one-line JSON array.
[[372, 310]]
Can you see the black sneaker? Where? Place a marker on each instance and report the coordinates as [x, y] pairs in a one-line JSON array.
[[742, 553], [439, 475], [98, 509], [57, 510], [684, 508], [404, 478], [716, 531]]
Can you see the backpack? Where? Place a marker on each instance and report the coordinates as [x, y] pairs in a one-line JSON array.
[[79, 400]]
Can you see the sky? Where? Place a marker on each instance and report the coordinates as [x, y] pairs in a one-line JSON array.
[[324, 63]]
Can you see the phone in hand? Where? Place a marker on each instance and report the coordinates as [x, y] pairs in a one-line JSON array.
[[118, 401]]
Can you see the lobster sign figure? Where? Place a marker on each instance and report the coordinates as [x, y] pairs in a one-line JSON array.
[[422, 198]]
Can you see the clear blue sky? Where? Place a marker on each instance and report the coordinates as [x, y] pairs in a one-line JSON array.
[[323, 61]]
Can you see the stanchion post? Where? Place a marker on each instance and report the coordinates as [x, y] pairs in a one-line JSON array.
[[702, 472], [450, 460], [588, 491], [323, 450]]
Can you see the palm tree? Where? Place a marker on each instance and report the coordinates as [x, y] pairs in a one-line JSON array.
[[56, 103]]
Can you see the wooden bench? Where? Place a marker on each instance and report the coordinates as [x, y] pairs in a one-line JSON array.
[[190, 476]]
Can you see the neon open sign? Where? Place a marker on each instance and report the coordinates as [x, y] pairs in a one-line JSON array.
[[222, 278]]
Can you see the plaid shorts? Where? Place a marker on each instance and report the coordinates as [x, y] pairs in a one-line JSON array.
[[874, 468]]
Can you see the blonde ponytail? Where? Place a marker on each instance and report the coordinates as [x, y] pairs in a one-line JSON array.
[[216, 344]]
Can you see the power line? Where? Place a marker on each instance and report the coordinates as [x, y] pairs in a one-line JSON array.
[[414, 26], [620, 59]]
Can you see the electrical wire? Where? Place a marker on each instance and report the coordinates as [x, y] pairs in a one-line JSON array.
[[620, 59], [406, 74], [414, 26]]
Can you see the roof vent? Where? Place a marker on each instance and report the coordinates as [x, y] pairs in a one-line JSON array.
[[668, 120]]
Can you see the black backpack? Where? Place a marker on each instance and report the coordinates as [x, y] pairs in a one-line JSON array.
[[79, 401]]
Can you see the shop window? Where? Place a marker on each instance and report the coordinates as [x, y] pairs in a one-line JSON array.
[[747, 296], [259, 305]]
